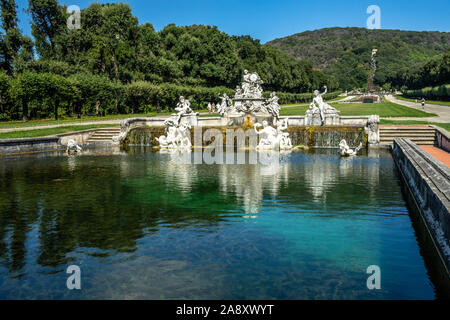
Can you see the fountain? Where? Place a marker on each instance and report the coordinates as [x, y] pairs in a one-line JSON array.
[[249, 106], [249, 112]]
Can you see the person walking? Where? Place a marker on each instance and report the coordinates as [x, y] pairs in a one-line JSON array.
[[423, 103]]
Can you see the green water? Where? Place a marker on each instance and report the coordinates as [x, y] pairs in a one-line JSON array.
[[142, 226]]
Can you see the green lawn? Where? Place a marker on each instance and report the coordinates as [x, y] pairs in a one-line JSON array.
[[385, 109], [75, 120], [446, 126], [50, 131], [441, 103]]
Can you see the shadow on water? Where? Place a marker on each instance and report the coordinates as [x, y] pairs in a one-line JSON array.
[[435, 267]]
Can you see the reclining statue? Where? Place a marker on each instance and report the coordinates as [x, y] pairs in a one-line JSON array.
[[346, 151], [322, 105]]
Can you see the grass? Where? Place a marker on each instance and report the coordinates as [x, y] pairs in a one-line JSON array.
[[50, 131], [75, 120], [441, 103], [446, 126], [385, 109]]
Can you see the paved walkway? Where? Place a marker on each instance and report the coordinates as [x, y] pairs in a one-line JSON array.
[[442, 155], [443, 112]]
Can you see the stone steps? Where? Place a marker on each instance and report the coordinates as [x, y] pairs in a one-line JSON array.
[[103, 136], [419, 135]]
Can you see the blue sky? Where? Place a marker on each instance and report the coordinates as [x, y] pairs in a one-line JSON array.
[[270, 19]]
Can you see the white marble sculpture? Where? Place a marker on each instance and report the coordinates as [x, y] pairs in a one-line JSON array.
[[251, 85], [178, 137], [183, 107], [282, 136], [269, 137], [73, 147], [225, 105], [272, 106], [325, 110], [346, 151]]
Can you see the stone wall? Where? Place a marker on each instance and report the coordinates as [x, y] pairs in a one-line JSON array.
[[12, 146], [442, 138], [429, 182], [43, 144]]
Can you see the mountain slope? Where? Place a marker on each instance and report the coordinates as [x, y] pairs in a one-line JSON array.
[[345, 52]]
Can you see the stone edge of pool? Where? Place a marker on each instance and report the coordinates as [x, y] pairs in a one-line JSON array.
[[428, 180]]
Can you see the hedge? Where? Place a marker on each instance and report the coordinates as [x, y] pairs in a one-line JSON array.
[[43, 95], [439, 93]]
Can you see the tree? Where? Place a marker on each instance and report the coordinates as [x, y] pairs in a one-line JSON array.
[[49, 21], [12, 39]]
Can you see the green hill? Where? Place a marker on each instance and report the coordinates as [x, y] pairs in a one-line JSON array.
[[345, 52]]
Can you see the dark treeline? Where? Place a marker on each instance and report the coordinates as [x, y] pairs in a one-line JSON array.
[[113, 64]]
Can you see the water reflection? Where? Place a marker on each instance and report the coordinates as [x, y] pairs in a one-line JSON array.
[[143, 215]]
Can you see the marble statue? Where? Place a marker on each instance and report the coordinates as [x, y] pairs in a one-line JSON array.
[[373, 129], [269, 137], [272, 106], [73, 147], [346, 151], [251, 85], [282, 136], [319, 107], [178, 137], [225, 104], [183, 107]]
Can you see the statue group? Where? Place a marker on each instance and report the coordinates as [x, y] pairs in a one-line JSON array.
[[249, 99], [273, 139], [178, 136]]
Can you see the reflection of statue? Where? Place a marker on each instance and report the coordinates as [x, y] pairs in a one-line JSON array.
[[73, 147], [183, 107], [283, 137], [268, 138], [225, 105], [324, 107], [272, 106], [346, 151]]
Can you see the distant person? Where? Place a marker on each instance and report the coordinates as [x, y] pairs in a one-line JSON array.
[[209, 107], [423, 103]]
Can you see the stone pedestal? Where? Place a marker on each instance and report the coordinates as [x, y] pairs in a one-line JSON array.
[[191, 119]]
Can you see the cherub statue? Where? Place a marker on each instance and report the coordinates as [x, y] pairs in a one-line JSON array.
[[183, 107], [224, 105]]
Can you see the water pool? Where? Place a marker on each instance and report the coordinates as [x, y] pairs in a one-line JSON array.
[[142, 226]]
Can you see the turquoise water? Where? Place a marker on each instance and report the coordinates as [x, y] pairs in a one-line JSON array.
[[140, 225]]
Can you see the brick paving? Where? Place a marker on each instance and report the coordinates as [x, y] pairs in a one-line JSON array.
[[441, 155]]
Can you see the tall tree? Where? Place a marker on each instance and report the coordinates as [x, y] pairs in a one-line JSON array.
[[12, 39], [49, 21]]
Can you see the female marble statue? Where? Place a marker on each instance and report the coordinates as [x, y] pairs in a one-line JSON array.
[[268, 135]]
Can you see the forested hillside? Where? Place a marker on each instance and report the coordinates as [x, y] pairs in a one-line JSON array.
[[344, 53]]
